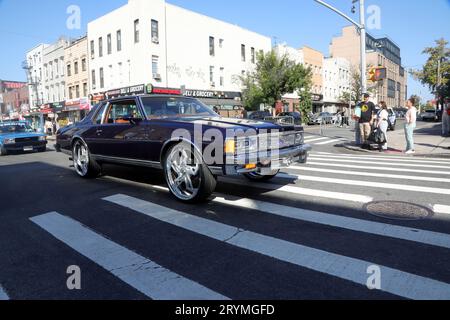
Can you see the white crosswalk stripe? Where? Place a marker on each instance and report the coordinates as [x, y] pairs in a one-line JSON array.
[[381, 159], [309, 140], [369, 174], [319, 141], [3, 295], [355, 270], [307, 192], [141, 273], [360, 161], [330, 142], [390, 157], [439, 208]]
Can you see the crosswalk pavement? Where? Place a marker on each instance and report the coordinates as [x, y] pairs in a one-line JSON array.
[[323, 141], [336, 179]]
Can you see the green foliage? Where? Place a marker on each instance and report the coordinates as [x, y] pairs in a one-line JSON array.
[[273, 77], [355, 93]]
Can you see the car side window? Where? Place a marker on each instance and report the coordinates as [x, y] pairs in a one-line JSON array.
[[98, 117], [120, 112]]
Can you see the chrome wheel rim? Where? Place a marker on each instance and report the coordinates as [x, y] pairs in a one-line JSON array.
[[81, 159], [183, 173]]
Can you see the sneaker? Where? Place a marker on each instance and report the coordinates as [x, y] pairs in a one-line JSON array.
[[410, 152]]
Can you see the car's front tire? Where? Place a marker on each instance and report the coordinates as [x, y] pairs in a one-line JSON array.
[[254, 176], [43, 149], [187, 176], [84, 165]]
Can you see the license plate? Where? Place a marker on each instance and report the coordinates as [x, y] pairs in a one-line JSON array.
[[27, 148]]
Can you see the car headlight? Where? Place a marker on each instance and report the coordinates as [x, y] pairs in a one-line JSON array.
[[9, 141], [42, 138]]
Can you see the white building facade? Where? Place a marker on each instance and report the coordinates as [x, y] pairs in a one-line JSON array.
[[54, 72], [153, 42], [34, 66], [337, 81]]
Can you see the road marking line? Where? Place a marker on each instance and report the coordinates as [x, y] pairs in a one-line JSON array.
[[3, 295], [381, 185], [439, 208], [377, 228], [349, 160], [382, 158], [368, 174], [340, 165], [139, 272], [355, 270], [329, 142], [306, 192], [313, 140], [389, 157]]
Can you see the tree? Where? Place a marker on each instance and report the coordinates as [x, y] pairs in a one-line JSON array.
[[275, 76], [435, 74]]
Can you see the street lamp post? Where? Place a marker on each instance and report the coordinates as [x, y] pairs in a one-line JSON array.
[[361, 27]]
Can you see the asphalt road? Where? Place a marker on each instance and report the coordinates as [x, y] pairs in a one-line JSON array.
[[305, 235]]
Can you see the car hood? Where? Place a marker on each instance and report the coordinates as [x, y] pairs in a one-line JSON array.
[[20, 135], [230, 123]]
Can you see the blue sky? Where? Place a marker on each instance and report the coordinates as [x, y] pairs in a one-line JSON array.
[[412, 24]]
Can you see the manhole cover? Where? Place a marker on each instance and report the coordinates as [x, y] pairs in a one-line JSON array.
[[398, 210]]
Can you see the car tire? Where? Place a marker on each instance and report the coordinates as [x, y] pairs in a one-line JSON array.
[[85, 166], [254, 176], [187, 176], [3, 151]]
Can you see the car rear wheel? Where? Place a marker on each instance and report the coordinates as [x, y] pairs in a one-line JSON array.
[[254, 176], [187, 176], [83, 163]]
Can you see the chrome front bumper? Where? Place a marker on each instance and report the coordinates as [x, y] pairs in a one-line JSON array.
[[265, 161]]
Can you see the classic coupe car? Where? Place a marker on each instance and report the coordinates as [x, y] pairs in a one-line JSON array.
[[19, 136], [183, 137]]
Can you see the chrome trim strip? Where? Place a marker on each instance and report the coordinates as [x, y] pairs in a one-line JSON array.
[[136, 162]]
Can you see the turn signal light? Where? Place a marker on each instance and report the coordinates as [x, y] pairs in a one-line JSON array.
[[230, 146], [250, 166]]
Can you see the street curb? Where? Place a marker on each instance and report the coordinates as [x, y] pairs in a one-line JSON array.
[[425, 155]]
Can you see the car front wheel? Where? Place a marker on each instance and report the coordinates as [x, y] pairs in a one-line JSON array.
[[83, 163], [254, 176], [187, 176]]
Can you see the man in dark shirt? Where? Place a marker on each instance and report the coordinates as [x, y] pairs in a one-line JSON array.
[[365, 121]]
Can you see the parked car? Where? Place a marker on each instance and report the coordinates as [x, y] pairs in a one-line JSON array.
[[19, 136], [392, 119], [429, 115], [295, 115], [259, 115], [163, 132], [321, 118]]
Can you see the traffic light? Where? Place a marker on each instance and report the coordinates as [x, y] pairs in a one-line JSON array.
[[377, 74]]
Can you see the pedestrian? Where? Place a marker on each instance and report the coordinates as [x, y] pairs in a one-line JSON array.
[[410, 125], [366, 120], [446, 120], [344, 118], [382, 123]]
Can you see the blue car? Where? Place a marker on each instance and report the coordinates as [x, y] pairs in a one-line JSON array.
[[19, 136]]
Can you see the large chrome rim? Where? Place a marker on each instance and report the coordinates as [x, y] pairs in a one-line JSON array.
[[183, 173], [81, 159]]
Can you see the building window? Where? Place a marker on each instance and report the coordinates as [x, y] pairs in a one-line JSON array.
[[102, 79], [69, 70], [222, 77], [83, 64], [70, 93], [211, 47], [92, 49], [243, 52], [155, 68], [136, 31], [119, 40], [100, 47], [211, 75], [93, 79], [77, 91], [85, 89], [155, 31], [220, 43], [109, 45], [75, 67], [253, 55]]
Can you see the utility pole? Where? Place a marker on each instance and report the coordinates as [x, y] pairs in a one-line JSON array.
[[361, 27]]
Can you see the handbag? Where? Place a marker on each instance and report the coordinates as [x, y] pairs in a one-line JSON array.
[[377, 136]]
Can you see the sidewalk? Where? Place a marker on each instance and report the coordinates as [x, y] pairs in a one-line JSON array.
[[428, 141]]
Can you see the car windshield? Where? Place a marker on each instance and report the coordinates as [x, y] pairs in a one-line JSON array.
[[175, 107], [15, 128]]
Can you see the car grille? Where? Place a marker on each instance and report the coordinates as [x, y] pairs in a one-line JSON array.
[[28, 139]]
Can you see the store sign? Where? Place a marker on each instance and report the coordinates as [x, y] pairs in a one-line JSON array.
[[77, 104], [13, 85], [212, 94], [165, 91], [128, 91]]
